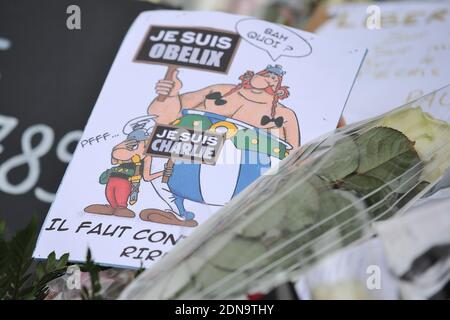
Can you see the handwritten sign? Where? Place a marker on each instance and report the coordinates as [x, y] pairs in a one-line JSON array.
[[405, 60]]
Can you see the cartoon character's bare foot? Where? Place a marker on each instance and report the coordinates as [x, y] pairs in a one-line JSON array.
[[99, 209], [165, 217], [124, 212]]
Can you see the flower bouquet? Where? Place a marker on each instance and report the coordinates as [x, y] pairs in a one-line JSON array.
[[322, 197]]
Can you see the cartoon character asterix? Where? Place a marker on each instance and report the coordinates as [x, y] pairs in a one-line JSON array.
[[131, 165]]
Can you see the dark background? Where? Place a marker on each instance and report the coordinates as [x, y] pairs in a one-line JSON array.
[[52, 75]]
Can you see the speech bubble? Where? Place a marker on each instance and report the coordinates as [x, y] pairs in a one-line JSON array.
[[276, 40]]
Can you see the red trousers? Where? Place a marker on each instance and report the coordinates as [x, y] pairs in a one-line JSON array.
[[117, 192]]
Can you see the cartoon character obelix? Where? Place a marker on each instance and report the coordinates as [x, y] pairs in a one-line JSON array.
[[256, 126], [255, 123]]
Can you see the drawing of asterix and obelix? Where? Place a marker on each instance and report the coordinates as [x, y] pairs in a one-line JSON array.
[[249, 115]]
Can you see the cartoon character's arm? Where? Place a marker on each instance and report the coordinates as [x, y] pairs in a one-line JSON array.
[[170, 109], [147, 168], [195, 99], [291, 129]]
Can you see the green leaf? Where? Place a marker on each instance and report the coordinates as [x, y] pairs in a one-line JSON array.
[[408, 196], [20, 276], [379, 196], [51, 259], [298, 207], [48, 270], [209, 274], [20, 249], [343, 207], [267, 221], [293, 212], [94, 273], [237, 253], [387, 154], [63, 260], [340, 161]]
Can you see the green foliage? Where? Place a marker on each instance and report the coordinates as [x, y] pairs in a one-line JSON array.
[[48, 270], [20, 276], [94, 274]]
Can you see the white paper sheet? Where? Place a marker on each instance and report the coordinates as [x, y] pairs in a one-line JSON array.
[[317, 74], [391, 15], [407, 58]]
